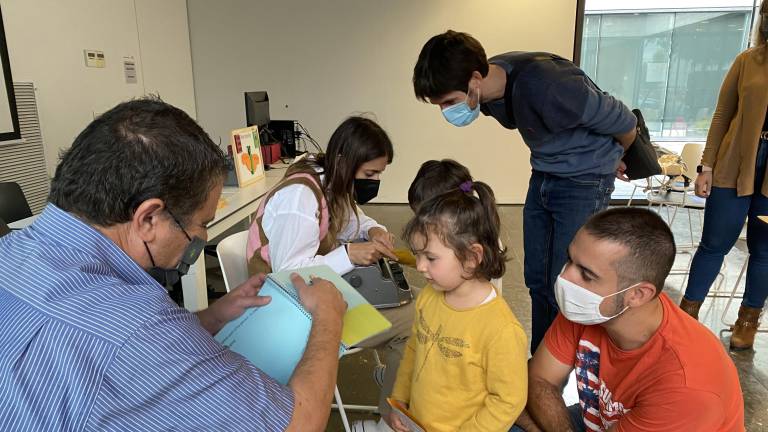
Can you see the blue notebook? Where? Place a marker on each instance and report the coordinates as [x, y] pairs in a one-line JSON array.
[[273, 337]]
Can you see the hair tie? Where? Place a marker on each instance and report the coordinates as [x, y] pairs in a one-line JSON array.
[[466, 187]]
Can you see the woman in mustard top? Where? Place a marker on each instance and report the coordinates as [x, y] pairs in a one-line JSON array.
[[732, 176]]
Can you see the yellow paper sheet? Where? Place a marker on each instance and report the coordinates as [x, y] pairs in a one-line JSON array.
[[362, 322]]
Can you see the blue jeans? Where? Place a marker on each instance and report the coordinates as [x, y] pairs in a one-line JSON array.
[[577, 420], [555, 208], [724, 216]]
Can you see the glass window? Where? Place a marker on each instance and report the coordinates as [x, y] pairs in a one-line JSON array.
[[668, 64]]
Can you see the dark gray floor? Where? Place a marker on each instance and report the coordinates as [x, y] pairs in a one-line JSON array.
[[355, 373]]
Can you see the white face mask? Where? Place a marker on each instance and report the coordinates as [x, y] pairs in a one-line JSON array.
[[581, 305]]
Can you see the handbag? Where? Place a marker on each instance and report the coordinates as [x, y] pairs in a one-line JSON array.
[[641, 158]]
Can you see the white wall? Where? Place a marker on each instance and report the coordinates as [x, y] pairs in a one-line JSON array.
[[166, 65], [321, 61], [46, 39]]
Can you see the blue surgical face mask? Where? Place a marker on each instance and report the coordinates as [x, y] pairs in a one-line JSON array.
[[461, 114]]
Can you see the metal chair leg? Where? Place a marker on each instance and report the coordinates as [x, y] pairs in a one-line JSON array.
[[340, 406]]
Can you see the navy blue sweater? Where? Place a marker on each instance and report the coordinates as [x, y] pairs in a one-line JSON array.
[[565, 119]]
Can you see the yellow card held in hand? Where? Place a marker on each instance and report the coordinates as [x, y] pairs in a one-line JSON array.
[[405, 257], [406, 418]]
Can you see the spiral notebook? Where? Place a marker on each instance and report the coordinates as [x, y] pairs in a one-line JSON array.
[[273, 337]]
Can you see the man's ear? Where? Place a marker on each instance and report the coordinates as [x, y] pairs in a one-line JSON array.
[[146, 218], [641, 294]]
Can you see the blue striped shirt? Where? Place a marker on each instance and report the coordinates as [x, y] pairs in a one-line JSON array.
[[89, 341]]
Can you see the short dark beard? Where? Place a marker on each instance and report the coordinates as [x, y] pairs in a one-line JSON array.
[[619, 305]]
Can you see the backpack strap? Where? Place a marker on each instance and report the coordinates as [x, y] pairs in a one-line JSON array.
[[257, 250]]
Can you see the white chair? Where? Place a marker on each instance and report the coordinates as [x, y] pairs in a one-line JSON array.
[[646, 185], [234, 268], [676, 193], [498, 283], [691, 157], [674, 201]]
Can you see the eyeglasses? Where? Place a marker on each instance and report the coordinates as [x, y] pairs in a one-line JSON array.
[[179, 225]]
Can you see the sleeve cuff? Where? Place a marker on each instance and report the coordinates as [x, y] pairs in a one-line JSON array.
[[339, 261]]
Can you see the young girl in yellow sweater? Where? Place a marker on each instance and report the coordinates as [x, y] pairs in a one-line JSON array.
[[464, 366]]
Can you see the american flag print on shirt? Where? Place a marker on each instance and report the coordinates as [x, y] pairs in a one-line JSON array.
[[596, 399]]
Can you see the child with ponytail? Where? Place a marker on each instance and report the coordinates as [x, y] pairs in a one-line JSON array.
[[464, 366]]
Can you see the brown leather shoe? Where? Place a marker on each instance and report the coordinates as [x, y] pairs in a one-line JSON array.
[[745, 328], [691, 307]]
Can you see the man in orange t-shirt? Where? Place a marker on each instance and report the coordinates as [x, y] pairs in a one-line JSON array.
[[642, 364]]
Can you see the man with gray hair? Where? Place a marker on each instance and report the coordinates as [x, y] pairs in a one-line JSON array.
[[92, 341]]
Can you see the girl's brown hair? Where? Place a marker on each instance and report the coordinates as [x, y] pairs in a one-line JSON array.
[[434, 178], [460, 218], [356, 141]]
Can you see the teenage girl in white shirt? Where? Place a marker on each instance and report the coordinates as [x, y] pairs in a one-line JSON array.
[[312, 218]]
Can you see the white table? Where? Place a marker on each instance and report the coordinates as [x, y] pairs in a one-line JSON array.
[[240, 204], [22, 223]]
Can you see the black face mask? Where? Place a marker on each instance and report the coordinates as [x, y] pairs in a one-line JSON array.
[[366, 190], [169, 277]]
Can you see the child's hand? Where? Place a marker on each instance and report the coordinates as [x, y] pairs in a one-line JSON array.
[[393, 420]]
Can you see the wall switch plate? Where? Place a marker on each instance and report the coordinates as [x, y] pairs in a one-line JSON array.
[[129, 69], [94, 58]]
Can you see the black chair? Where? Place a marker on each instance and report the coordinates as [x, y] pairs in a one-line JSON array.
[[13, 204], [4, 228]]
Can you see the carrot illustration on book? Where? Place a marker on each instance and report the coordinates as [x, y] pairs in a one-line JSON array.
[[250, 158]]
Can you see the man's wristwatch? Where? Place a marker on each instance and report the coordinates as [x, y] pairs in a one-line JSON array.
[[703, 168]]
